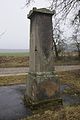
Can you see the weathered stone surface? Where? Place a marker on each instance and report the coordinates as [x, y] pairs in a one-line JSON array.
[[41, 84], [42, 10], [41, 41]]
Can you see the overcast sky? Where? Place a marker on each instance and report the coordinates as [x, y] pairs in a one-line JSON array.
[[14, 22]]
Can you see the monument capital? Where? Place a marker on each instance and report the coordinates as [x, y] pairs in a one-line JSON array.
[[40, 11]]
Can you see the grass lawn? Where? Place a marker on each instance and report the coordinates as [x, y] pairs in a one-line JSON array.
[[14, 61], [21, 59]]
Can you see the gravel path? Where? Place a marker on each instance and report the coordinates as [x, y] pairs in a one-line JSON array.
[[67, 67], [24, 70], [13, 71]]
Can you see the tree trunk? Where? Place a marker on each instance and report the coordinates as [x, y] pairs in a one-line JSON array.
[[56, 50], [78, 48]]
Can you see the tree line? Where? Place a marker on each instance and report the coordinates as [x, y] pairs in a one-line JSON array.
[[63, 8]]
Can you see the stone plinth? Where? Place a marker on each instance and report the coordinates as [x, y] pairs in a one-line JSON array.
[[42, 85]]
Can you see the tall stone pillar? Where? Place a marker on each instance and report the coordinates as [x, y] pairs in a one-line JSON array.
[[41, 40], [41, 84]]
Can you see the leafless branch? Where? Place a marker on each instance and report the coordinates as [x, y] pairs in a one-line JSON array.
[[2, 33]]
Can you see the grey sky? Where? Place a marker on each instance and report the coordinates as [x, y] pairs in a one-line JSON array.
[[13, 20]]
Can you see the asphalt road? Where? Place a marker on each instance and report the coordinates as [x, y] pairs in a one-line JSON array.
[[11, 103], [24, 70]]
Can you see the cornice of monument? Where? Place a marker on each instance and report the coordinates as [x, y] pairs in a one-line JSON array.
[[41, 10]]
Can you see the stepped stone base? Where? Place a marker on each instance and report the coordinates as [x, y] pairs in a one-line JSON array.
[[45, 104], [43, 88]]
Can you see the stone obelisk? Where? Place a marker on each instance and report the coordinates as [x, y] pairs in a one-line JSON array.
[[41, 84]]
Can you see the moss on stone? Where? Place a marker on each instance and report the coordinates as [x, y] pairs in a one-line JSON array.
[[42, 104]]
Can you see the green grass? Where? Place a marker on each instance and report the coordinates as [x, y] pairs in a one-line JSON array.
[[15, 54]]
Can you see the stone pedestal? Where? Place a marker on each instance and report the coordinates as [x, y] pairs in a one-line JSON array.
[[42, 84]]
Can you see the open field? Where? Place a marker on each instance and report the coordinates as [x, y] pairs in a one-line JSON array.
[[67, 60], [14, 61], [14, 54], [21, 59]]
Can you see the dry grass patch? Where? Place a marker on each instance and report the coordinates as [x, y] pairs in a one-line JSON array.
[[70, 77], [14, 61], [22, 60], [10, 80], [48, 115], [73, 113], [68, 113]]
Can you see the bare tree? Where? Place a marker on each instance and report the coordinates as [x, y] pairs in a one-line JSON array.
[[61, 6], [1, 34], [62, 9], [58, 41], [76, 41], [76, 33], [28, 2]]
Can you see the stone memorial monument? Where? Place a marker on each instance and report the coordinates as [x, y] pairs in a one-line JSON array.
[[42, 85]]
